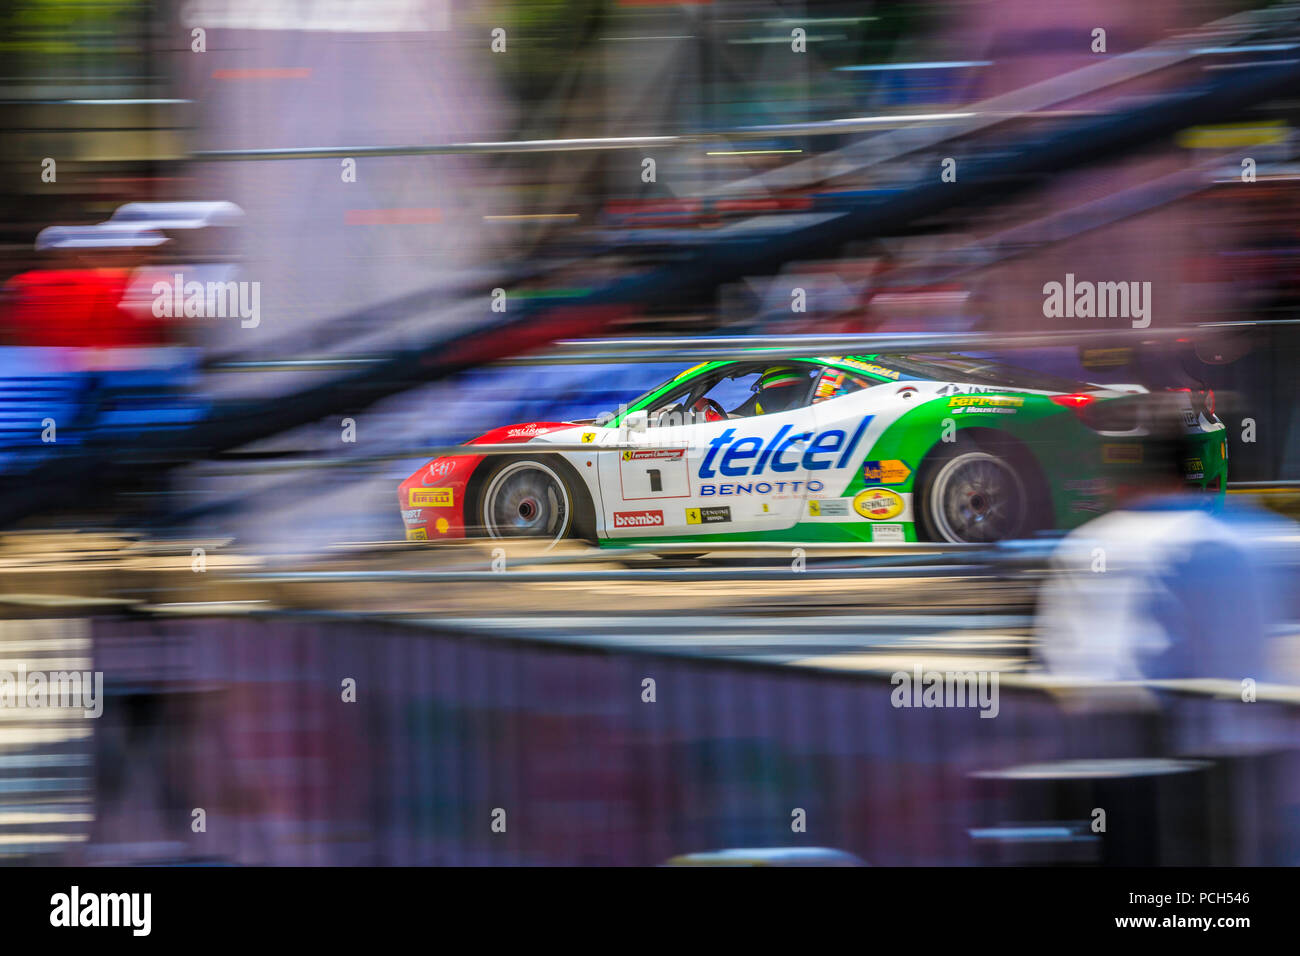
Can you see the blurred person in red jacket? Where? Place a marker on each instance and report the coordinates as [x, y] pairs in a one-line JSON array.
[[201, 238], [75, 301]]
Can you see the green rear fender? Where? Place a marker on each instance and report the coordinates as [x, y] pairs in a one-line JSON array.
[[1050, 438]]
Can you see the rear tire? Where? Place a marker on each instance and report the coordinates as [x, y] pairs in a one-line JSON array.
[[978, 493]]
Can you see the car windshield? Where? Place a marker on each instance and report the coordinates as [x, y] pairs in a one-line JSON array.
[[728, 389], [679, 377]]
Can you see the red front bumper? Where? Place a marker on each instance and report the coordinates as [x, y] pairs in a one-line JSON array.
[[432, 500]]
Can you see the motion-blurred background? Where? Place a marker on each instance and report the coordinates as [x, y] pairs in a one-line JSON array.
[[211, 522]]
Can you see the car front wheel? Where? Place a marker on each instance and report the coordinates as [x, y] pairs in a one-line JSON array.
[[529, 498]]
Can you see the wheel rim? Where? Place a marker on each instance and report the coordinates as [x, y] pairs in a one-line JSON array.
[[978, 497], [526, 499]]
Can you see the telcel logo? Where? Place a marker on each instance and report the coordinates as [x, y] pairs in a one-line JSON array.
[[818, 456]]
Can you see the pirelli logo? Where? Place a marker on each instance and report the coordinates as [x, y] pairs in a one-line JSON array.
[[985, 401], [431, 498]]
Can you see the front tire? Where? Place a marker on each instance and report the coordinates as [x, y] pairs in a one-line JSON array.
[[975, 495], [533, 498]]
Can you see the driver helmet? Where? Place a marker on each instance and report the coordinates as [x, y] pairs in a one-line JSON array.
[[779, 388]]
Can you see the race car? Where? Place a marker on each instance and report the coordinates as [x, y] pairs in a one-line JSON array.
[[870, 448]]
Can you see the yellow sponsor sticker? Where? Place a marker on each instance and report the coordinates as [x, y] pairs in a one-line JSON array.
[[828, 507], [986, 401], [588, 437], [1106, 358], [442, 524], [711, 515], [890, 472], [1121, 454], [417, 534], [871, 367], [432, 498], [1234, 135], [878, 504]]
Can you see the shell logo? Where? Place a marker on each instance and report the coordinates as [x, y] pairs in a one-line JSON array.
[[878, 504]]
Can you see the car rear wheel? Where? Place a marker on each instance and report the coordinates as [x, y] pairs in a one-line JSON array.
[[974, 495], [531, 498]]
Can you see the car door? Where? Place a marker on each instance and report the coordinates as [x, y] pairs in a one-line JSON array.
[[850, 416], [730, 476]]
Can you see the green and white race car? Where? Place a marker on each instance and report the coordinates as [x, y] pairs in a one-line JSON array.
[[872, 448]]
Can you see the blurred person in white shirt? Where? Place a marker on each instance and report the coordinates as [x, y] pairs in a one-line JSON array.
[[1178, 584]]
